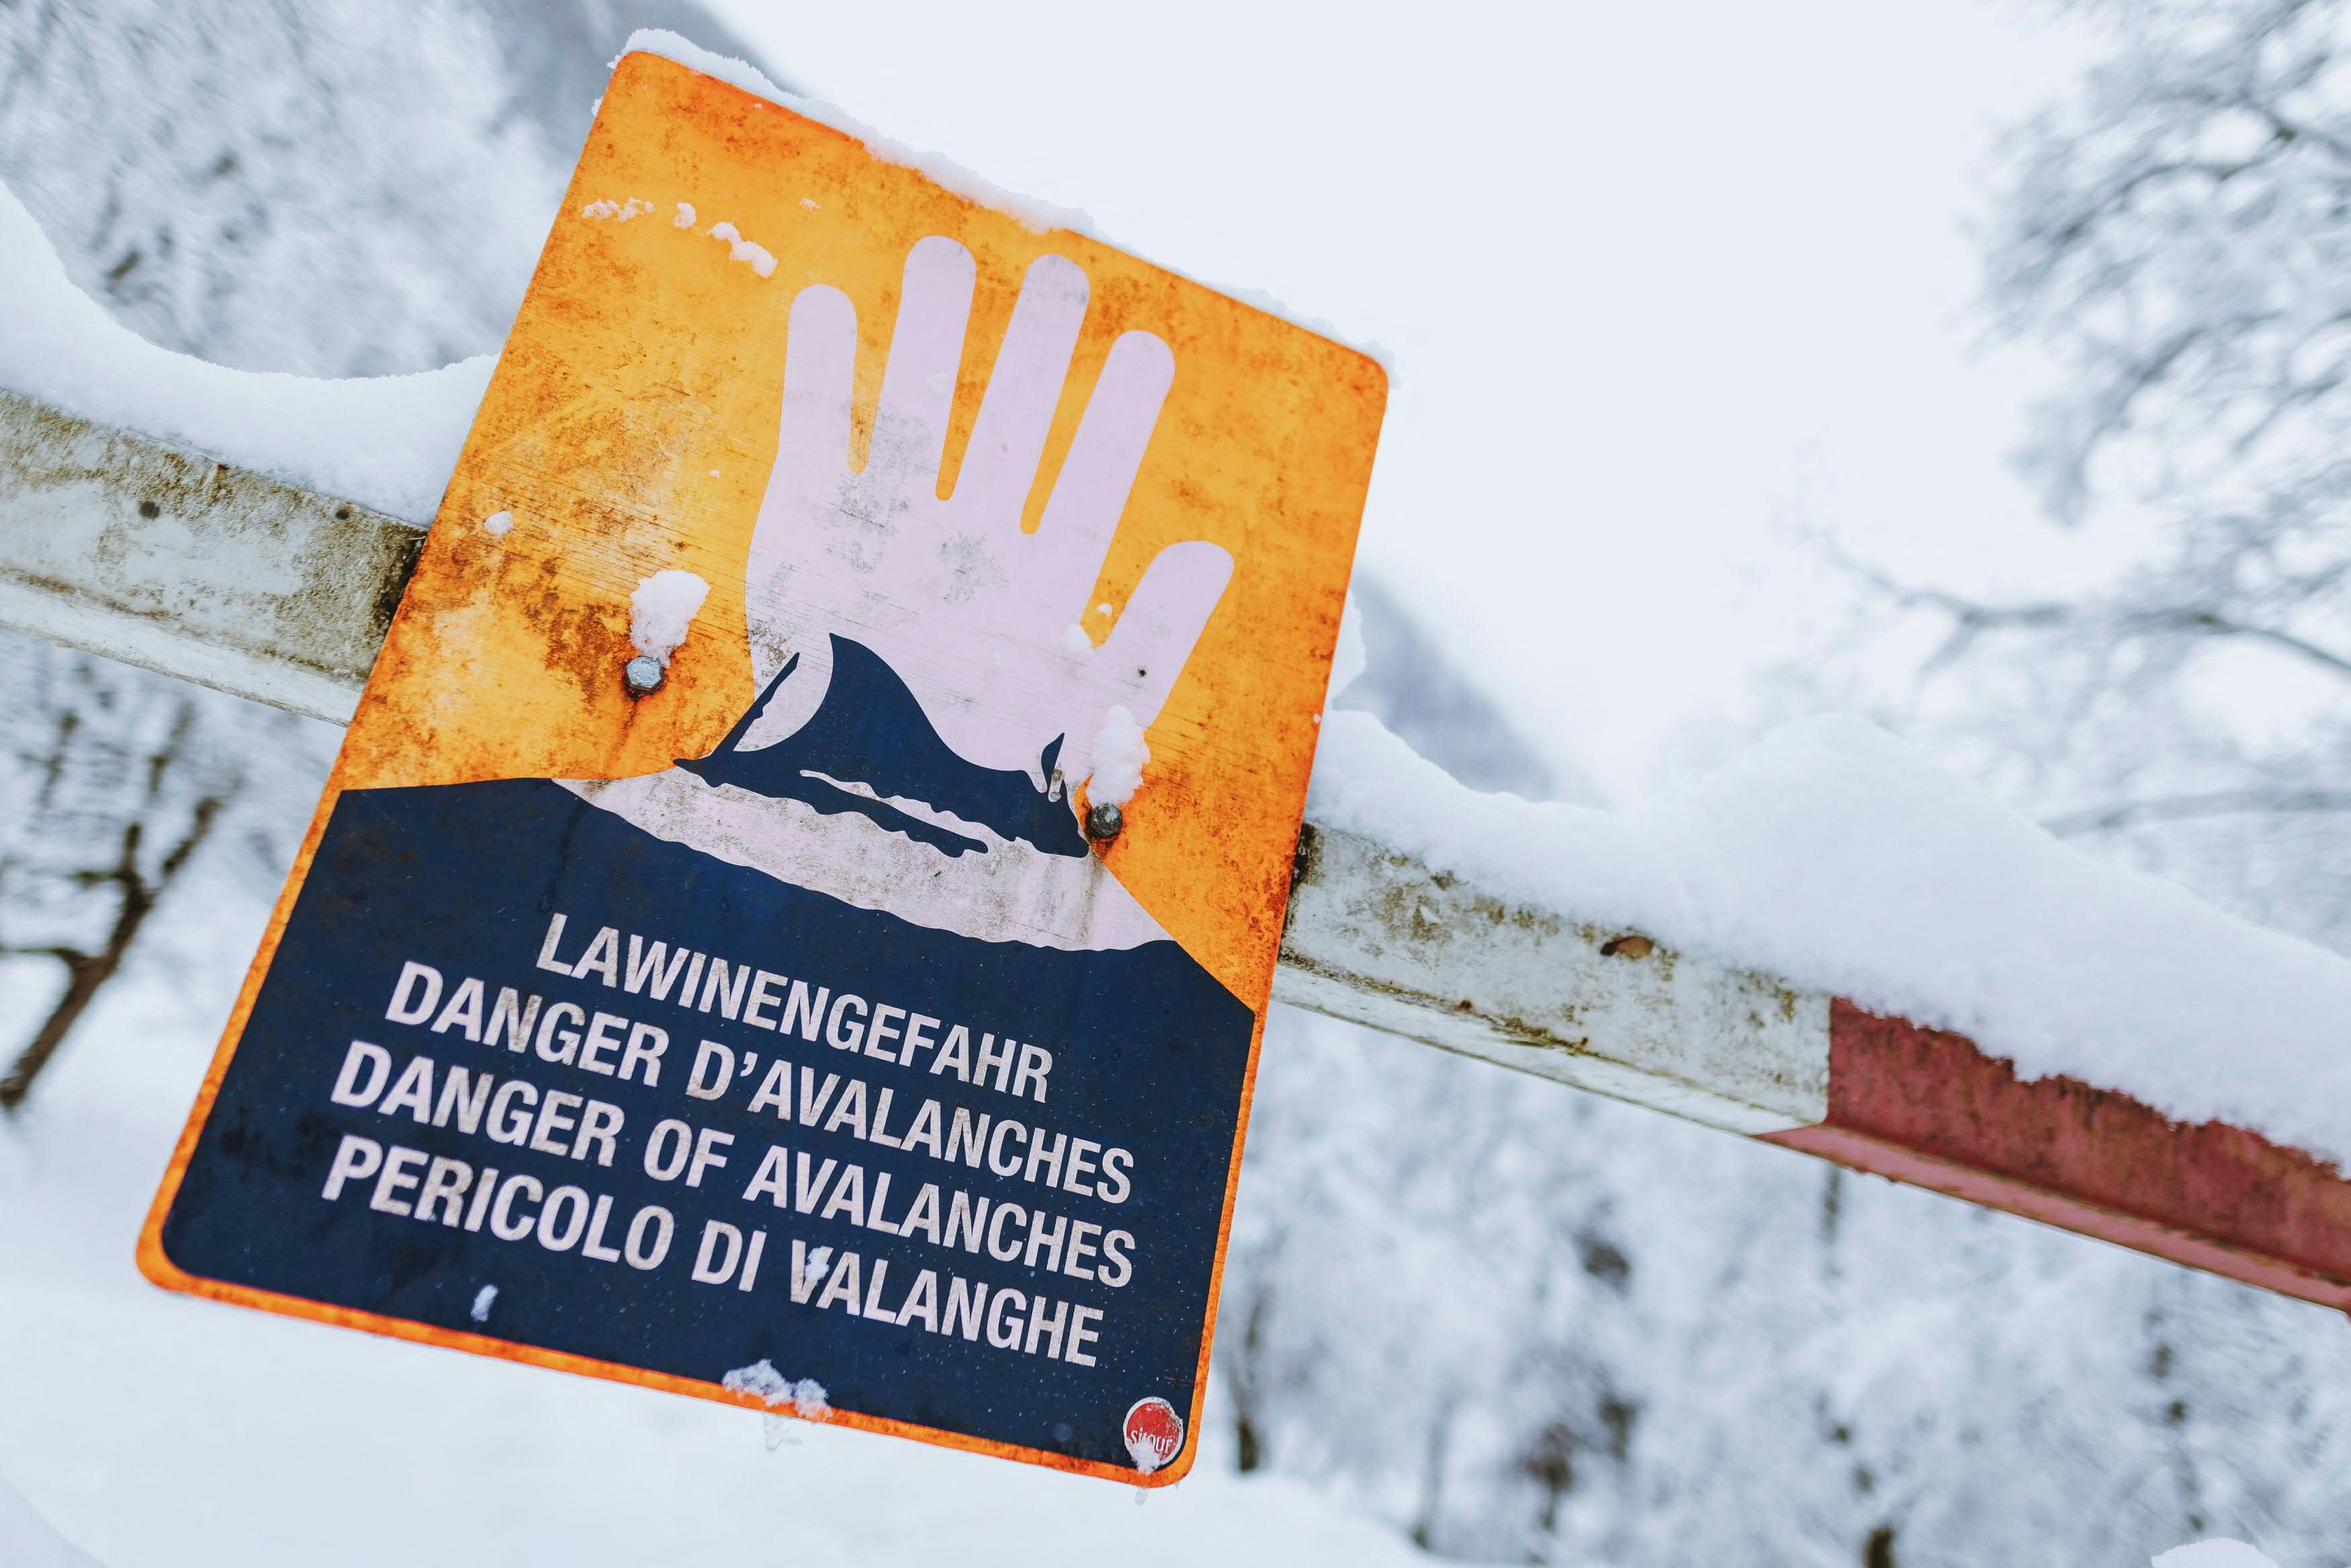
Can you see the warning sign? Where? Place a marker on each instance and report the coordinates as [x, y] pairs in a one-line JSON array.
[[793, 917]]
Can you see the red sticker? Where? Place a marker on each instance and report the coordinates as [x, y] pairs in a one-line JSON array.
[[1153, 1433]]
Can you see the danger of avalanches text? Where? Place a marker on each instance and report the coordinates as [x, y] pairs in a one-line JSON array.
[[517, 1207]]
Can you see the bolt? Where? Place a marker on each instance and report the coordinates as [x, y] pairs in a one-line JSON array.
[[1104, 821], [644, 675]]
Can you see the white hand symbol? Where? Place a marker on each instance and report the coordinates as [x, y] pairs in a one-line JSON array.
[[975, 615]]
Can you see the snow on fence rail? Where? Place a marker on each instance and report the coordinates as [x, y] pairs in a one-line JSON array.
[[1536, 937]]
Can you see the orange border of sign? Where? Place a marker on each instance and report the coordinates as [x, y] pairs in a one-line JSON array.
[[630, 428]]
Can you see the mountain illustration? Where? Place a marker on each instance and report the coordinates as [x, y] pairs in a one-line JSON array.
[[871, 731]]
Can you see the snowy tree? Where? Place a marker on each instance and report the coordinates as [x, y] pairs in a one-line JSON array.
[[2171, 235], [1823, 1368], [118, 782], [335, 189], [2177, 236]]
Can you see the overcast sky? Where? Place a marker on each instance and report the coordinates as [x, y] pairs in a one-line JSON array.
[[1658, 282]]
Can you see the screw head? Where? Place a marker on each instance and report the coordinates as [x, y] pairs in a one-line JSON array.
[[1104, 821], [644, 675]]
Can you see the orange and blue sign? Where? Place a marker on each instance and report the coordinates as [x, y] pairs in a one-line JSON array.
[[793, 917]]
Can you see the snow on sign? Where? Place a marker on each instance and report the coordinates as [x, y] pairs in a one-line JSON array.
[[792, 918]]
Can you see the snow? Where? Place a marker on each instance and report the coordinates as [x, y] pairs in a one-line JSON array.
[[389, 442], [1352, 656], [1120, 757], [2216, 1553], [498, 525], [27, 1541], [759, 1379], [1836, 858], [783, 1397], [1153, 1433], [684, 218], [807, 1396], [662, 611], [819, 1259], [1039, 217], [760, 259], [618, 211], [483, 1299]]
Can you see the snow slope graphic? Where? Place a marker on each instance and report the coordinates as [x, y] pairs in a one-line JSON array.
[[864, 802]]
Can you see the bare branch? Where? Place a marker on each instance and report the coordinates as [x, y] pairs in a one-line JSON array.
[[62, 954], [2186, 808], [1971, 617], [86, 973]]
